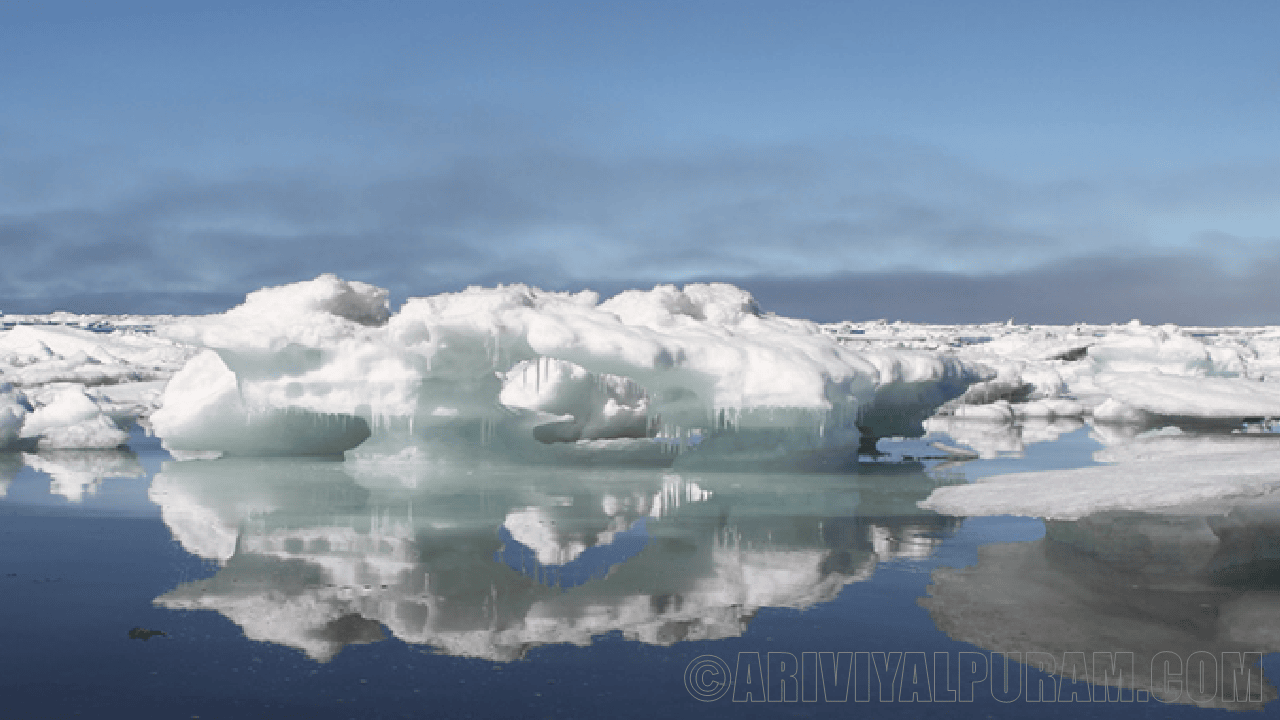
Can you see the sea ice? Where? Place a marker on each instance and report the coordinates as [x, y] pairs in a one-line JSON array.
[[693, 376], [69, 418], [1159, 471], [315, 367]]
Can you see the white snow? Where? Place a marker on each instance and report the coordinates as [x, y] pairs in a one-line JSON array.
[[75, 382], [68, 418]]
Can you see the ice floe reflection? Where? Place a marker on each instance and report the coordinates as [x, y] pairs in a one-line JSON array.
[[489, 561], [1178, 580], [73, 474]]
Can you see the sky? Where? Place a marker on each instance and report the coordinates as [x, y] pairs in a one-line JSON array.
[[923, 161]]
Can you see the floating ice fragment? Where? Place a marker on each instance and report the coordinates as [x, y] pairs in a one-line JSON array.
[[543, 376]]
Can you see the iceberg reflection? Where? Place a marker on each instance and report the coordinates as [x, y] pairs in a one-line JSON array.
[[1179, 581], [76, 473], [491, 560]]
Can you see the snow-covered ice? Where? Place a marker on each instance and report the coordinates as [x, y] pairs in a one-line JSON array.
[[319, 366], [692, 377], [1160, 470]]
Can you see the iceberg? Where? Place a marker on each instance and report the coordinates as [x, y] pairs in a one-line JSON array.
[[318, 367]]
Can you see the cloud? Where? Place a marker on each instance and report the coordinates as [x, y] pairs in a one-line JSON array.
[[1187, 289], [839, 230]]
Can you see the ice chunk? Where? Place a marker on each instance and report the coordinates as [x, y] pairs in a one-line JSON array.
[[14, 407], [1167, 350], [68, 418], [204, 412], [539, 371], [1049, 408]]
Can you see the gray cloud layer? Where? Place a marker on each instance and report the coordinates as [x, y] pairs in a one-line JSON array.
[[850, 231]]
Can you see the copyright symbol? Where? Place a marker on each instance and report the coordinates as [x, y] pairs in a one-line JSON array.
[[707, 678]]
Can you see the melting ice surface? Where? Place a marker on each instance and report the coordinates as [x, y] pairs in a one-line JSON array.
[[529, 486]]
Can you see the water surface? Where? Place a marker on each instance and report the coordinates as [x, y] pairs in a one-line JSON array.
[[136, 586]]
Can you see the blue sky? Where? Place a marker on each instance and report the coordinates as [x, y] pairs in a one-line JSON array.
[[940, 161]]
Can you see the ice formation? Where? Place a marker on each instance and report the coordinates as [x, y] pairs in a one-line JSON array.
[[1129, 373], [317, 367], [71, 382], [696, 377], [1158, 471]]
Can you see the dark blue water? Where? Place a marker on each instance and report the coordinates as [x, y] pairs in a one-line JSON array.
[[304, 589]]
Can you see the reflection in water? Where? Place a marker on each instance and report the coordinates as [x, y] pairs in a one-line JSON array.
[[76, 473], [10, 464], [996, 438], [1179, 582], [490, 561]]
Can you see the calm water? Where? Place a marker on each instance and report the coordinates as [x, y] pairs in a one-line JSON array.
[[135, 586]]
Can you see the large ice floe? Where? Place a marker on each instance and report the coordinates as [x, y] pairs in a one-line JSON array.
[[1161, 470], [321, 367]]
